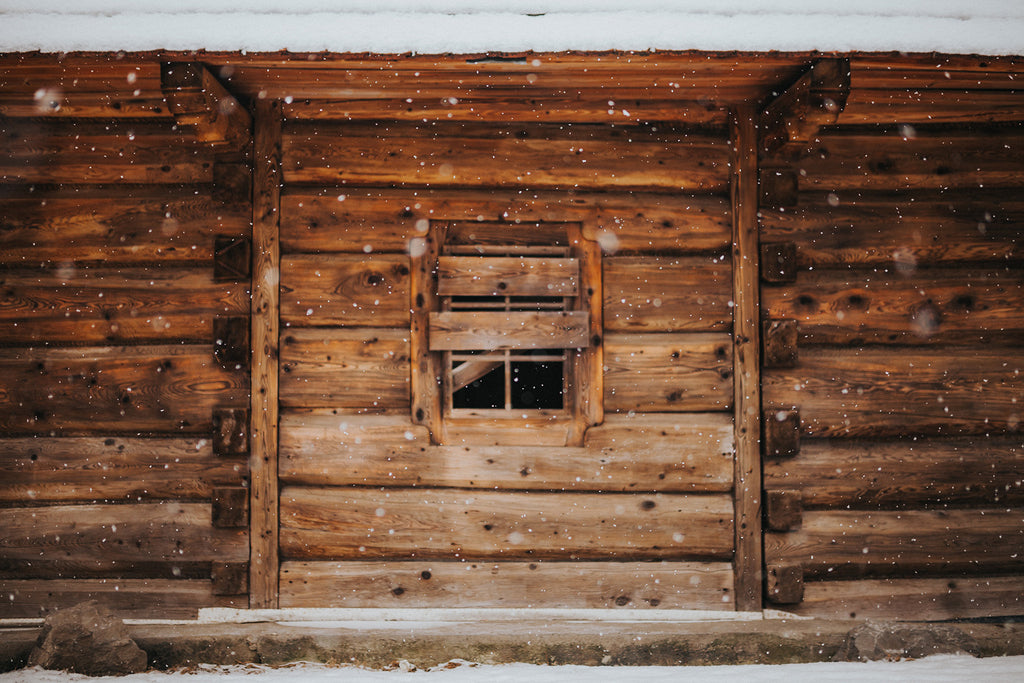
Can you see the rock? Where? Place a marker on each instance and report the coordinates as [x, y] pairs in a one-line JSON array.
[[86, 639], [882, 640]]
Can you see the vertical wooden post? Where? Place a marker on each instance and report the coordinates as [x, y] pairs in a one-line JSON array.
[[266, 250], [747, 384]]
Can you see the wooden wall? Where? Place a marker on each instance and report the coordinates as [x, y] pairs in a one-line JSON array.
[[893, 295], [121, 466]]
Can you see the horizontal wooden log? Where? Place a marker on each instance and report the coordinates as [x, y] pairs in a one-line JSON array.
[[567, 585], [472, 431], [868, 474], [114, 540], [345, 368], [642, 453], [34, 152], [116, 225], [71, 304], [352, 219], [875, 392], [56, 103], [507, 276], [838, 544], [668, 372], [35, 470], [976, 305], [662, 294], [938, 104], [843, 228], [109, 72], [348, 290], [490, 330], [493, 155], [959, 597], [128, 598], [119, 390], [341, 524]]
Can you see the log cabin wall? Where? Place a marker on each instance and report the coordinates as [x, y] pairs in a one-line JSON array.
[[123, 352]]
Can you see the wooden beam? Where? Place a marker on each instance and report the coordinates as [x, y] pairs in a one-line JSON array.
[[815, 100], [746, 369], [198, 101], [266, 221], [489, 330]]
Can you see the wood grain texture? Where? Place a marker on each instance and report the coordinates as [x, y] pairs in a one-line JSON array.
[[668, 372], [942, 104], [644, 453], [34, 470], [345, 368], [507, 276], [663, 294], [320, 523], [345, 290], [491, 330], [567, 585]]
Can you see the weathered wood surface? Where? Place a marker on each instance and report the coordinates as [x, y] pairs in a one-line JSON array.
[[345, 290], [345, 368], [507, 276], [201, 104], [837, 544], [43, 152], [926, 306], [469, 430], [34, 470], [115, 390], [901, 229], [495, 155], [477, 525], [587, 365], [876, 392], [570, 585], [69, 541], [356, 220], [648, 453], [815, 100], [956, 471], [668, 372], [115, 225], [958, 597], [941, 104], [489, 330], [663, 294], [118, 306]]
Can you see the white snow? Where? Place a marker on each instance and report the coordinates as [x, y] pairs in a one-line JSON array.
[[993, 27]]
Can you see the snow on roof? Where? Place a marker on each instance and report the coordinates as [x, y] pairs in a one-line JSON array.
[[991, 27]]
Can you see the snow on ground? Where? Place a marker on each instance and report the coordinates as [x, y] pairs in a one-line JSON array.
[[938, 669]]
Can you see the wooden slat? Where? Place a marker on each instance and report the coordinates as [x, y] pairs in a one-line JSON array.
[[570, 585], [426, 374], [876, 392], [957, 471], [474, 431], [123, 305], [507, 276], [587, 365], [933, 105], [889, 306], [493, 155], [668, 372], [126, 390], [648, 453], [347, 290], [339, 368], [351, 219], [662, 294], [34, 470], [54, 103], [487, 330], [437, 524], [838, 544]]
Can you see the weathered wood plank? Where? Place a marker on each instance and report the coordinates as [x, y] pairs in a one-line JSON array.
[[648, 453], [438, 524], [117, 306], [34, 470], [570, 585], [956, 471], [942, 104], [668, 372], [927, 306], [345, 368], [874, 392], [346, 290], [535, 155], [837, 544], [115, 390], [507, 276], [587, 365], [52, 103], [490, 330], [663, 294], [426, 374], [356, 220]]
